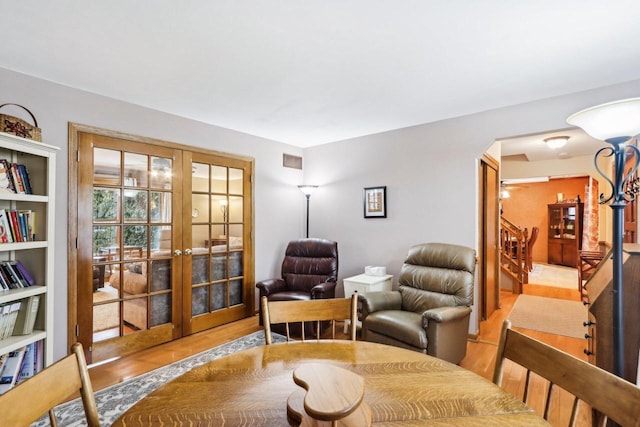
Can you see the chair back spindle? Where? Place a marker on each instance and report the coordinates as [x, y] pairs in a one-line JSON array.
[[609, 394], [315, 311]]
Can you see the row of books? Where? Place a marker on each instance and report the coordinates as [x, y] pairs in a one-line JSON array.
[[17, 226], [14, 275], [20, 365], [14, 178], [19, 317], [8, 317]]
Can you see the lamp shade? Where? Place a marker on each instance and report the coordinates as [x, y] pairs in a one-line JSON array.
[[308, 189], [611, 120]]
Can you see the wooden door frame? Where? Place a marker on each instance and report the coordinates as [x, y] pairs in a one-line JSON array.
[[74, 129], [482, 262]]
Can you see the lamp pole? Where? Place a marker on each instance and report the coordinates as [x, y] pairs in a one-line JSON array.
[[308, 196], [619, 198], [307, 190], [610, 122]]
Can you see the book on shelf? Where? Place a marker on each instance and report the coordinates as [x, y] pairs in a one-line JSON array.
[[8, 316], [27, 217], [24, 272], [24, 227], [24, 175], [17, 179], [11, 369], [3, 360], [13, 275], [14, 178], [26, 318], [27, 315], [5, 229], [4, 276], [39, 355], [4, 285], [6, 180], [17, 226], [29, 364]]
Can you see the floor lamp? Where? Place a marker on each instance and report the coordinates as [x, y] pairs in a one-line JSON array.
[[615, 123], [307, 190]]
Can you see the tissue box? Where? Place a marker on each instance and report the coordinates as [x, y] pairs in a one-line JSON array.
[[371, 270]]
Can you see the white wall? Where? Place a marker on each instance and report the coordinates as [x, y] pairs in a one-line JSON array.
[[278, 203], [430, 174]]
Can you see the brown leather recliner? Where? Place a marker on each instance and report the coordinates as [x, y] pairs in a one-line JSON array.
[[309, 271], [430, 310]]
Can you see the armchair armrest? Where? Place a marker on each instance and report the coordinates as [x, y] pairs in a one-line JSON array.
[[378, 301], [447, 330], [444, 314], [270, 286], [324, 290]]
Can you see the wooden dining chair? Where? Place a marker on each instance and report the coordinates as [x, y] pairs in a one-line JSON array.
[[316, 311], [28, 401], [612, 396]]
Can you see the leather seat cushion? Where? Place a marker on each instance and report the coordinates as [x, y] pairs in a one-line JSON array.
[[405, 326], [290, 295]]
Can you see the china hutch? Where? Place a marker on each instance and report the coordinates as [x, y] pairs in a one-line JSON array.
[[565, 233]]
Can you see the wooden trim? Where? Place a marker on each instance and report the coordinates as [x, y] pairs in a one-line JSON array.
[[490, 160], [480, 303], [147, 140], [72, 235]]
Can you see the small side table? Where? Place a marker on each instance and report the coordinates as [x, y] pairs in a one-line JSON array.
[[363, 283]]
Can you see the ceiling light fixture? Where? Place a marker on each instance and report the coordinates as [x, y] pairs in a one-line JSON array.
[[556, 141]]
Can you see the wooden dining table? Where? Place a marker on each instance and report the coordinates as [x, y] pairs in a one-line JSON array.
[[402, 388]]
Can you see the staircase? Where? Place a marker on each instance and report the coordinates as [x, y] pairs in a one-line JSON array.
[[514, 243]]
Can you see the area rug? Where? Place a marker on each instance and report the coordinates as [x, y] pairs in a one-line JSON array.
[[554, 275], [551, 315], [105, 316], [116, 399]]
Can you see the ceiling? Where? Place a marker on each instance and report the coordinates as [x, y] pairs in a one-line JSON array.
[[311, 72], [532, 148]]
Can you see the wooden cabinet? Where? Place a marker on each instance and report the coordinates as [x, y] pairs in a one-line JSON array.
[[35, 251], [565, 233]]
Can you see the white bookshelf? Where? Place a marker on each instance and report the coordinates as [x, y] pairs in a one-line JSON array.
[[37, 256]]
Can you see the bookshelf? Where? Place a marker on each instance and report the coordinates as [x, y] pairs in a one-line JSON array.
[[37, 254]]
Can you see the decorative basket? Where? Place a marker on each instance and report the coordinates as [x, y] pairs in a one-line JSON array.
[[19, 127]]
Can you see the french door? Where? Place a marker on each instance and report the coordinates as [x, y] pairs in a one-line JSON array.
[[216, 236], [164, 243]]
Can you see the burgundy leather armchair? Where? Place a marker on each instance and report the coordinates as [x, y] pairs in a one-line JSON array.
[[309, 271]]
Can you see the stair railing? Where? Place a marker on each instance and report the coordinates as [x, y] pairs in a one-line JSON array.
[[514, 246]]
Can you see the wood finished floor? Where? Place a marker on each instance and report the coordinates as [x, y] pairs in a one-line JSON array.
[[480, 356]]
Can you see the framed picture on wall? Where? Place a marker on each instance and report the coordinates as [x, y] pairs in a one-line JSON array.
[[375, 202]]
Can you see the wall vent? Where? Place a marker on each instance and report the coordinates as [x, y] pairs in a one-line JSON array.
[[291, 161]]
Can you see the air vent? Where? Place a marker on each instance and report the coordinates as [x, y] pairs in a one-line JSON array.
[[515, 158], [291, 161]]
